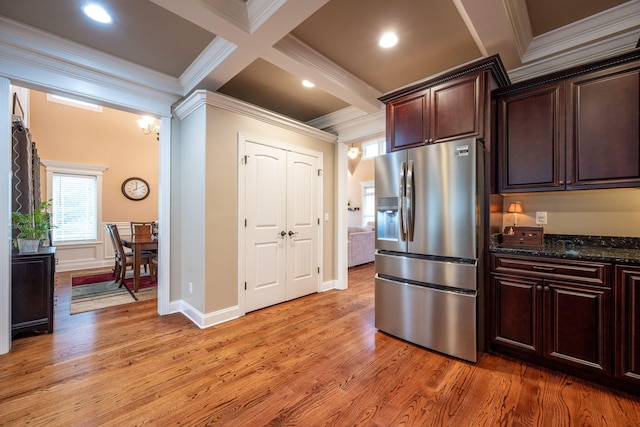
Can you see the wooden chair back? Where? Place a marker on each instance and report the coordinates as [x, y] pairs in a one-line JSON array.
[[116, 240], [141, 228]]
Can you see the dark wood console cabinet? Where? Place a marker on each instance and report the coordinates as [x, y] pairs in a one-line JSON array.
[[451, 106], [575, 129], [32, 291]]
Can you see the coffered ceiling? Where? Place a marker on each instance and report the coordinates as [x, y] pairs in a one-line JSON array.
[[258, 51]]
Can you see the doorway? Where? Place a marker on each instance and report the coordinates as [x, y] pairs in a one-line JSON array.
[[281, 190]]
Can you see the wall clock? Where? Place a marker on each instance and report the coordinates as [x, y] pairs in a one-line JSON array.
[[135, 188]]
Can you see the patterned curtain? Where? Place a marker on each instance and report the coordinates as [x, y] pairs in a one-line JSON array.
[[25, 182]]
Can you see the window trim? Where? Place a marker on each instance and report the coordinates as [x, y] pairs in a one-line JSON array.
[[363, 186], [52, 166], [381, 148]]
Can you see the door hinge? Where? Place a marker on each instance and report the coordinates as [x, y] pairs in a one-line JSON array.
[[318, 221], [245, 222], [244, 160], [318, 270], [319, 172], [245, 286]]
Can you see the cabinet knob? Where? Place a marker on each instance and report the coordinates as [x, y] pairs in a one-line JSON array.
[[539, 287]]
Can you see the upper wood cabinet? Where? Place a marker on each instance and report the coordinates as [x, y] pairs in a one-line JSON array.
[[603, 129], [449, 107], [573, 130], [531, 153]]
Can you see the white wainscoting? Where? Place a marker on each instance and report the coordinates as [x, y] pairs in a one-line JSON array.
[[98, 254]]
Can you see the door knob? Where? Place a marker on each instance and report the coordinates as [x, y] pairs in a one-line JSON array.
[[283, 233], [292, 233]]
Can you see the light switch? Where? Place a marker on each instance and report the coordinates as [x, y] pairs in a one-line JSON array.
[[541, 218]]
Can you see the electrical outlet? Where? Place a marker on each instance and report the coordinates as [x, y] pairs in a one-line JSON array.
[[541, 218], [191, 288]]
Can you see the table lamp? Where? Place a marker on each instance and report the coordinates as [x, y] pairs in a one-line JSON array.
[[515, 208]]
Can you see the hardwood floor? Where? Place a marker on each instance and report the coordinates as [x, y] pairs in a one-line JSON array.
[[314, 361]]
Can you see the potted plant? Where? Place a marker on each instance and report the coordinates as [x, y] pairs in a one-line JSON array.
[[33, 227]]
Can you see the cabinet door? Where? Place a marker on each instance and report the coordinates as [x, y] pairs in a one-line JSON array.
[[531, 153], [516, 312], [457, 109], [627, 321], [407, 124], [577, 325], [32, 294], [603, 130]]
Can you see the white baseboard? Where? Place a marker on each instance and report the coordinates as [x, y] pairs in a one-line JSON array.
[[210, 319]]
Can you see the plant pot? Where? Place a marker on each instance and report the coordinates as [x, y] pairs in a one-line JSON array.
[[27, 246]]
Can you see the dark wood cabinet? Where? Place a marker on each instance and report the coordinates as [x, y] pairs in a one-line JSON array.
[[451, 106], [572, 130], [531, 154], [457, 109], [627, 340], [603, 130], [447, 111], [555, 310], [32, 291], [407, 121]]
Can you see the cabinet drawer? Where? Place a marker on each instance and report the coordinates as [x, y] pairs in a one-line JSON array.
[[594, 273]]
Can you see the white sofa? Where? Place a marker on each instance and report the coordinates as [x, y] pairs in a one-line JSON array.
[[361, 245]]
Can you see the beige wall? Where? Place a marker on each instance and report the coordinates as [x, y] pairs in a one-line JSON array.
[[216, 151], [588, 212], [109, 138], [364, 172]]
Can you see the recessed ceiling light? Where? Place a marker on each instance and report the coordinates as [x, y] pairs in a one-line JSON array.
[[388, 39], [307, 83], [97, 13]]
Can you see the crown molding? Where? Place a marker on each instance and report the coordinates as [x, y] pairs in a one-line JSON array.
[[232, 11], [362, 128], [37, 58], [597, 51], [337, 117], [208, 60], [258, 11], [365, 97], [520, 24], [620, 19], [203, 97]]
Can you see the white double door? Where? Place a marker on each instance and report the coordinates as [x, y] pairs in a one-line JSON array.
[[282, 254]]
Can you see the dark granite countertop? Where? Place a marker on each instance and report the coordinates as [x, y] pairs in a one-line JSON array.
[[586, 248]]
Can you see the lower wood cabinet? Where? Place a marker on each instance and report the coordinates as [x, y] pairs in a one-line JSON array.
[[32, 291], [554, 310], [627, 341]]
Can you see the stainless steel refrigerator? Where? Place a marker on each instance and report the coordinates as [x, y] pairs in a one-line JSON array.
[[429, 245]]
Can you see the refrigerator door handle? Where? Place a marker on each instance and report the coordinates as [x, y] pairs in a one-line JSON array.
[[410, 202], [402, 200]]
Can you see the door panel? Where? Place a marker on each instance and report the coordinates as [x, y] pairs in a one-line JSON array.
[[266, 219], [445, 199], [388, 175], [302, 218], [282, 257]]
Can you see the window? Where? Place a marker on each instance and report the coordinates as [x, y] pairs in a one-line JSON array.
[[368, 202], [75, 207], [75, 191], [372, 149]]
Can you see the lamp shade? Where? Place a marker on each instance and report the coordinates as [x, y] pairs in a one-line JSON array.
[[515, 207]]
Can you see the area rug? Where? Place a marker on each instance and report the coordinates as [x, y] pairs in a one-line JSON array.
[[97, 291]]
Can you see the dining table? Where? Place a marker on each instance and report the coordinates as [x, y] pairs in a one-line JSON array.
[[139, 243]]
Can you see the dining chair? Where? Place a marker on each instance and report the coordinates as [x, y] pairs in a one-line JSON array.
[[141, 228], [123, 259], [117, 263], [153, 267]]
